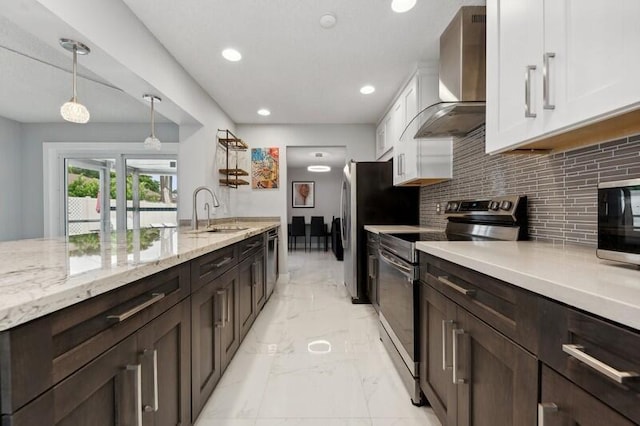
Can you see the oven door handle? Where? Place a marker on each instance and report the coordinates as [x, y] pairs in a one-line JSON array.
[[404, 270]]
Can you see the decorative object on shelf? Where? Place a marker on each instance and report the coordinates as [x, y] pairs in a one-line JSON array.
[[152, 142], [72, 110], [265, 168], [232, 143], [303, 194]]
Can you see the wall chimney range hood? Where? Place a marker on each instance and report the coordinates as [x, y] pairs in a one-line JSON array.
[[462, 80]]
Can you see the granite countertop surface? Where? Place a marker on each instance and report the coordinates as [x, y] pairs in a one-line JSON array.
[[569, 274], [40, 276], [400, 229]]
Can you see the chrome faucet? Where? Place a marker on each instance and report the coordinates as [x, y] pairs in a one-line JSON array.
[[194, 214]]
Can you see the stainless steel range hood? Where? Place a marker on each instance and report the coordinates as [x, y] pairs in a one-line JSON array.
[[462, 79]]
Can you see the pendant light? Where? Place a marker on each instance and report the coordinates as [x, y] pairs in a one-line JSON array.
[[152, 142], [74, 111]]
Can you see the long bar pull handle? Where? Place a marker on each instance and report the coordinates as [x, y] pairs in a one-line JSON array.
[[223, 308], [251, 247], [254, 272], [527, 91], [454, 356], [223, 262], [226, 304], [467, 292], [617, 376], [137, 389], [445, 366], [149, 355], [155, 298], [546, 81], [545, 408]]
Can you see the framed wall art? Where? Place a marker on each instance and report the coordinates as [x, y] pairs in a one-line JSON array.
[[303, 194], [265, 165]]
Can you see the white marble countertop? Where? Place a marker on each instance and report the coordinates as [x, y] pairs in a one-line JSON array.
[[400, 229], [569, 274], [40, 276]]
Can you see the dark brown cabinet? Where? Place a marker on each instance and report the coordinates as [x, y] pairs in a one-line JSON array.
[[260, 276], [253, 289], [373, 243]]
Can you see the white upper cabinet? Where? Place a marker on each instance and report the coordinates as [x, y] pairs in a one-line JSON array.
[[556, 65]]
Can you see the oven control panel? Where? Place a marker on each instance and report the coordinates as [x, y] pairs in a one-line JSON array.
[[501, 206]]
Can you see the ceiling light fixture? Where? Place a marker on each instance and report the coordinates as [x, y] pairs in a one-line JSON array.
[[264, 112], [401, 6], [318, 169], [152, 142], [231, 55], [328, 20], [367, 90], [74, 111]]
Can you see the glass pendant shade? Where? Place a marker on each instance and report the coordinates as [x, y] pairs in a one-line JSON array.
[[152, 143], [75, 112]]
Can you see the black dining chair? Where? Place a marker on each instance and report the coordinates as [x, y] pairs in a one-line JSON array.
[[298, 229], [318, 230]]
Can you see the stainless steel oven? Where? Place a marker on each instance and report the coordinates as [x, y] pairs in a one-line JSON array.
[[619, 221]]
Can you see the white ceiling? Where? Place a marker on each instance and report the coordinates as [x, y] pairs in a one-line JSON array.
[[300, 71], [333, 156]]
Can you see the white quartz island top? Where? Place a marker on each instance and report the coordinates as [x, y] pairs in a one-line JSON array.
[[569, 274], [40, 276], [400, 229]]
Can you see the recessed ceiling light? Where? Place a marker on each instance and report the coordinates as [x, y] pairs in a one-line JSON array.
[[328, 20], [401, 6], [367, 90], [319, 168], [231, 55], [264, 112]]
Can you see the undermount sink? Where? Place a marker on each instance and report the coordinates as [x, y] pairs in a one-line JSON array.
[[226, 229]]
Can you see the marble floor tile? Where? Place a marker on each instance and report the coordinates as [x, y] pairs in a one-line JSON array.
[[313, 359]]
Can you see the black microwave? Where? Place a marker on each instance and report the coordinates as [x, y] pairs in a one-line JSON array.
[[619, 221]]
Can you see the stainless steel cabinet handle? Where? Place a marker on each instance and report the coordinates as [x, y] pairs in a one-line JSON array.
[[223, 262], [545, 408], [445, 366], [251, 247], [137, 389], [527, 91], [467, 292], [546, 79], [454, 356], [155, 298], [223, 315], [576, 351], [152, 356], [226, 303]]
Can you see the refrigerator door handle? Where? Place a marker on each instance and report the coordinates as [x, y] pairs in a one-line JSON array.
[[343, 213]]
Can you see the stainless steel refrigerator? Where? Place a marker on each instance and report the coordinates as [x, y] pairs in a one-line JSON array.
[[369, 198]]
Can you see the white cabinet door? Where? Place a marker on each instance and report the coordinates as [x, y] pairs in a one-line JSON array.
[[514, 46], [396, 125], [409, 145], [380, 139], [592, 49]]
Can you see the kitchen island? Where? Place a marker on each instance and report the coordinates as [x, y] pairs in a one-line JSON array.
[[125, 328]]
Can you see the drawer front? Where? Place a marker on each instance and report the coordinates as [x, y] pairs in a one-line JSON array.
[[564, 403], [210, 266], [250, 246], [598, 356], [508, 309], [49, 349]]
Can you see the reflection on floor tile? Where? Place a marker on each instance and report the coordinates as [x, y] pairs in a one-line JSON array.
[[313, 359]]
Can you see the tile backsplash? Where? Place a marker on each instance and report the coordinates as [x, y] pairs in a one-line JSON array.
[[561, 188]]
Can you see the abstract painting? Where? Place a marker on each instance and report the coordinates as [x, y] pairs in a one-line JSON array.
[[265, 168]]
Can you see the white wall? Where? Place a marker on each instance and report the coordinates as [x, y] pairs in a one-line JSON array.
[[11, 192], [33, 135], [327, 194], [359, 140]]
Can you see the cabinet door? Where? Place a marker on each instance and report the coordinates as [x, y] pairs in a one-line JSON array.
[[246, 296], [229, 285], [393, 132], [437, 319], [591, 49], [380, 139], [514, 42], [206, 322], [260, 280], [497, 379], [163, 351], [562, 403], [372, 276]]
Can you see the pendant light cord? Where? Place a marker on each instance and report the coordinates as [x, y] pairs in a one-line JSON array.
[[75, 69], [152, 119]]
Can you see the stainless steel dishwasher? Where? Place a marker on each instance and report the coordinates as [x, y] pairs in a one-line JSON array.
[[272, 260]]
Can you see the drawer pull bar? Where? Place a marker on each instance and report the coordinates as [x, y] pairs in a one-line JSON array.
[[454, 356], [223, 308], [155, 298], [445, 366], [223, 262], [252, 246], [545, 408], [456, 287], [576, 351]]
